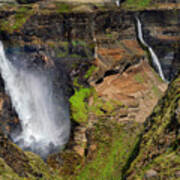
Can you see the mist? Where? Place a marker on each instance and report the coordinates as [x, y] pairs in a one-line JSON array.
[[44, 118]]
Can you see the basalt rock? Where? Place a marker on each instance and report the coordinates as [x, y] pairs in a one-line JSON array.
[[67, 40], [27, 1], [161, 32], [159, 143], [76, 34]]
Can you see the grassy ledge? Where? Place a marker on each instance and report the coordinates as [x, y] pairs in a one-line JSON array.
[[78, 103], [136, 4]]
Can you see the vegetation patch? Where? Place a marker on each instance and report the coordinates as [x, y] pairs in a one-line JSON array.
[[112, 140], [114, 143], [168, 164], [63, 7], [90, 71], [139, 78], [38, 165], [137, 4], [79, 101], [156, 91], [159, 143], [76, 49], [78, 42], [6, 173], [16, 21], [79, 107]]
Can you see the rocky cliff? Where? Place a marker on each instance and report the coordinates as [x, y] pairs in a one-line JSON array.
[[94, 55], [156, 154]]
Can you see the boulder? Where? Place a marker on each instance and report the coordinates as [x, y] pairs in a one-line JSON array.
[[151, 174]]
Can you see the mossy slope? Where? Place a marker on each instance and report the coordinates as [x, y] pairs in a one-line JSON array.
[[114, 143], [16, 164], [158, 147]]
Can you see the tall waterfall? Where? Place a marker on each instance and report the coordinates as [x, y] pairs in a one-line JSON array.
[[118, 2], [152, 53], [45, 121]]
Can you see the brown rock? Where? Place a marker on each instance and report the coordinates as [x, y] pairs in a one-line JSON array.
[[123, 113], [151, 174], [177, 174], [138, 89], [79, 150], [93, 147]]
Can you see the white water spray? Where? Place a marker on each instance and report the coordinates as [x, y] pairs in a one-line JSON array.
[[45, 121], [118, 2], [152, 53]]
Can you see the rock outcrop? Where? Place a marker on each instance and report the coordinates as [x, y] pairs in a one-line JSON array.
[[158, 145], [19, 165]]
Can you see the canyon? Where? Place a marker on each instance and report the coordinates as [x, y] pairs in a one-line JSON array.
[[91, 63]]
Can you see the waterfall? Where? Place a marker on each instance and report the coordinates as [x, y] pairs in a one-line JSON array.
[[95, 48], [118, 2], [152, 53], [44, 120]]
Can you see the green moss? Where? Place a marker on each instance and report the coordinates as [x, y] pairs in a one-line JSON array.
[[79, 42], [168, 162], [109, 35], [63, 7], [78, 103], [35, 166], [15, 22], [96, 107], [61, 49], [38, 165], [74, 56], [90, 71], [76, 83], [62, 54], [139, 78], [114, 143], [102, 107], [137, 4], [6, 173], [156, 91], [108, 106], [71, 163]]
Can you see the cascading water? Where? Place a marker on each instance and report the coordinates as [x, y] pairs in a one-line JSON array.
[[152, 53], [45, 121], [95, 48], [118, 2]]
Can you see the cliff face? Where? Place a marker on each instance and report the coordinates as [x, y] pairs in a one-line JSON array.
[[161, 31], [68, 31], [95, 57], [157, 151]]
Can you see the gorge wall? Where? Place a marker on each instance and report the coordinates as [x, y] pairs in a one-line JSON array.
[[95, 58]]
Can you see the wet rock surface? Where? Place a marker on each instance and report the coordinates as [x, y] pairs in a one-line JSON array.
[[161, 32]]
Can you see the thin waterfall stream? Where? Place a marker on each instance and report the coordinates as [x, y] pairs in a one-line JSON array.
[[118, 3], [44, 119], [152, 53]]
